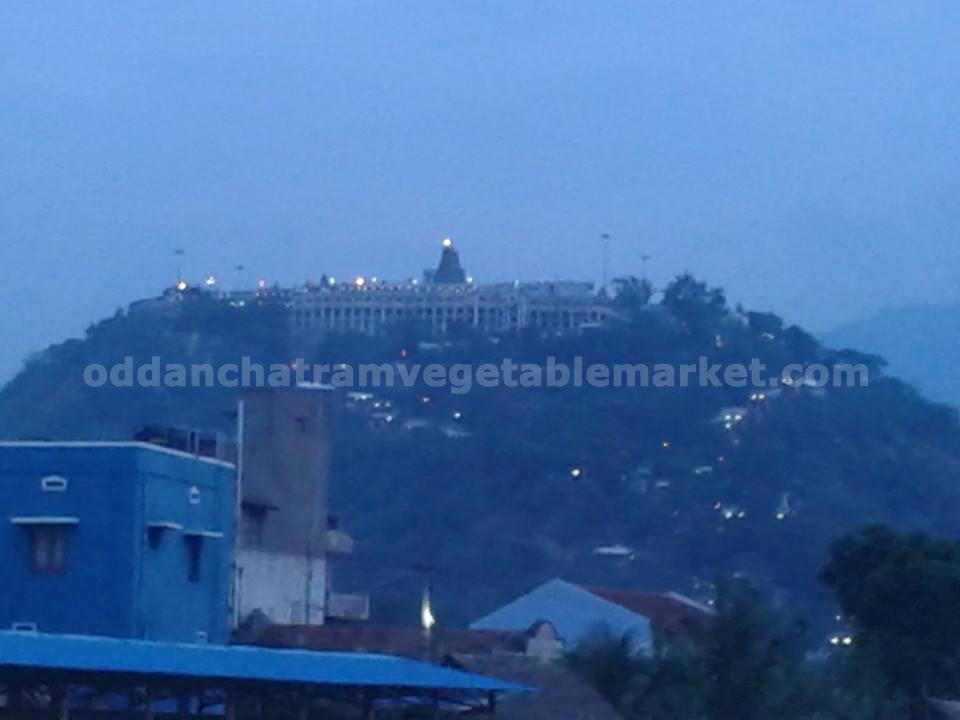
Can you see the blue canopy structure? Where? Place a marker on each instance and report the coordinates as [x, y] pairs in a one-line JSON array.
[[67, 661]]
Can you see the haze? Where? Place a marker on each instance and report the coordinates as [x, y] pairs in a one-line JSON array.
[[803, 155]]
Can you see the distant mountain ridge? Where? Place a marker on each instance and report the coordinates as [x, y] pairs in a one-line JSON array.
[[920, 342]]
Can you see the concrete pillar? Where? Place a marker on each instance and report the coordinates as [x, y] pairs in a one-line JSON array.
[[59, 707], [230, 705], [148, 696]]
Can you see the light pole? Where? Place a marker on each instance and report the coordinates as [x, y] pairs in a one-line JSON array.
[[179, 252], [604, 241]]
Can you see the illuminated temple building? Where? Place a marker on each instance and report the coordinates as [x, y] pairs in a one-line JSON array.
[[446, 297]]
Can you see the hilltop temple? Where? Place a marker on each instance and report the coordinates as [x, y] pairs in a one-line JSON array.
[[444, 298]]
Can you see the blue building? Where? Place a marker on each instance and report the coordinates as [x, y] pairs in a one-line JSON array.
[[122, 539]]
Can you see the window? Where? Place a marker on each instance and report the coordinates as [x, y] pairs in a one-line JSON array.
[[252, 522], [194, 557], [48, 549]]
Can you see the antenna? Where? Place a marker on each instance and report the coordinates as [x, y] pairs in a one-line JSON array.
[[604, 239], [179, 252], [643, 266]]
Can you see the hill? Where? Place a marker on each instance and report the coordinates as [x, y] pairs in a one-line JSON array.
[[503, 487], [921, 342]]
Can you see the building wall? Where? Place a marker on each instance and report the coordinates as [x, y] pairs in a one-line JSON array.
[[284, 469], [281, 586], [114, 582], [196, 498], [550, 307], [94, 593]]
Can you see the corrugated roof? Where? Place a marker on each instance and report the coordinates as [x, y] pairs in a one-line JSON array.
[[669, 613], [395, 640], [576, 612], [244, 663]]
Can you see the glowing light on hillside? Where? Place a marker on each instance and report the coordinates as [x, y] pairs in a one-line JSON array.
[[360, 281], [427, 619], [182, 285], [447, 242], [210, 281], [261, 284], [575, 472]]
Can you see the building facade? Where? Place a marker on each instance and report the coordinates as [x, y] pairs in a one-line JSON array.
[[121, 539], [446, 298], [554, 307], [443, 299], [285, 535]]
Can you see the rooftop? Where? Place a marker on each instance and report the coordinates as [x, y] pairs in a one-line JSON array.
[[669, 614], [83, 655], [395, 640], [118, 444]]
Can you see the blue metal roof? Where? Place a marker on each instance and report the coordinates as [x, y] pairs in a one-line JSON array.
[[81, 653], [574, 611]]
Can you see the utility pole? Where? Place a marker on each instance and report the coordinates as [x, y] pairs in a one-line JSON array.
[[179, 252], [605, 241]]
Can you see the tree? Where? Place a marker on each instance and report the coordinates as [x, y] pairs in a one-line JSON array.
[[632, 294], [699, 309], [750, 656], [901, 593], [608, 662], [765, 323], [750, 665]]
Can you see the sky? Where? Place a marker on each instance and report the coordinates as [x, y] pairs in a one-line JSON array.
[[801, 154]]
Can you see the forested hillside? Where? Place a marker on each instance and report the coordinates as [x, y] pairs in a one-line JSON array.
[[497, 489]]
